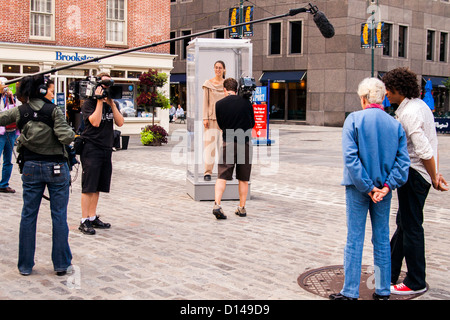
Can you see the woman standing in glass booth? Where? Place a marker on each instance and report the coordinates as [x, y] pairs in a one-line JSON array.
[[212, 92]]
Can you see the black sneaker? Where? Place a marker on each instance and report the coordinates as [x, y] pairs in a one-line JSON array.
[[86, 227], [378, 297], [339, 296], [97, 223], [69, 270], [218, 212]]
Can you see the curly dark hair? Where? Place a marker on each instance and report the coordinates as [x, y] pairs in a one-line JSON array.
[[28, 87], [402, 80]]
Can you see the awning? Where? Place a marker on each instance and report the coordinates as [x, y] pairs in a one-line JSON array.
[[435, 81], [178, 78], [283, 76]]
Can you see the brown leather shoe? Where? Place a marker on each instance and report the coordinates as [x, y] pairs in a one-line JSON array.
[[7, 190]]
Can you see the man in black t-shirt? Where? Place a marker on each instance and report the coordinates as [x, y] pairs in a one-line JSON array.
[[236, 119], [99, 116]]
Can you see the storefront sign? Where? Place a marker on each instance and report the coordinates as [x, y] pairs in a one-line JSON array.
[[72, 57]]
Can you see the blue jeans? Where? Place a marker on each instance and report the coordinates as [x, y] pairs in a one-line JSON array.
[[36, 176], [6, 149], [358, 204]]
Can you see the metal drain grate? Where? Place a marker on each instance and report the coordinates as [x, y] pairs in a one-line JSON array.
[[327, 280]]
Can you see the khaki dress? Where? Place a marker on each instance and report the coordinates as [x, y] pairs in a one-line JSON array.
[[212, 136]]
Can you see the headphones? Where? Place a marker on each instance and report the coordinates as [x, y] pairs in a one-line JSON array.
[[43, 89]]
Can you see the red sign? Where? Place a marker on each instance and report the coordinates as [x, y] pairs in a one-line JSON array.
[[260, 128]]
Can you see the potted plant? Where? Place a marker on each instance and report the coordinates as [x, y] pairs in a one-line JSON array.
[[149, 97], [153, 135]]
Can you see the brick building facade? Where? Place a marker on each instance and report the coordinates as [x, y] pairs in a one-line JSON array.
[[38, 35]]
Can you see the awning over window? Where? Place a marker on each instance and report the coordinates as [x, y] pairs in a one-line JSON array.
[[435, 81], [283, 76], [178, 78]]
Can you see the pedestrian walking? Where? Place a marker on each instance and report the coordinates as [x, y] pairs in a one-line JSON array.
[[8, 136]]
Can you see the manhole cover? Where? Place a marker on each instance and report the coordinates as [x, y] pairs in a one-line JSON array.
[[327, 280]]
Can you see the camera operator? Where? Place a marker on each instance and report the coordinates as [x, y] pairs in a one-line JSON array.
[[235, 117], [99, 115], [44, 132]]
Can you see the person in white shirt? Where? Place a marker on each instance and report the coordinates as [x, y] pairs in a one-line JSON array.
[[180, 112], [417, 120]]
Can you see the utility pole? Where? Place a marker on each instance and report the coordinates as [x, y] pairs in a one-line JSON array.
[[375, 8], [241, 18]]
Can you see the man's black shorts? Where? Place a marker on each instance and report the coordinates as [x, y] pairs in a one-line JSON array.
[[97, 169], [235, 154]]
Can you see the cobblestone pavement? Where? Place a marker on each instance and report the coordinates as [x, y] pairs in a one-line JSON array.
[[164, 245]]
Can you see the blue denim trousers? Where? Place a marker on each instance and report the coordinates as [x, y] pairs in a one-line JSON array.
[[36, 176], [6, 149], [358, 204]]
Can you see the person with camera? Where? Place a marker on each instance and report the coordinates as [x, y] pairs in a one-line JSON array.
[[8, 136], [100, 113], [43, 163], [235, 117]]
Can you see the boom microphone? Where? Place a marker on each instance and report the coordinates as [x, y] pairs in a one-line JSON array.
[[325, 27]]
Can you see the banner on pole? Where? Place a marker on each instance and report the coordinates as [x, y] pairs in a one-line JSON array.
[[366, 35], [234, 19]]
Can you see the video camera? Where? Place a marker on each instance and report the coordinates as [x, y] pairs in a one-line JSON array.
[[86, 88], [246, 87]]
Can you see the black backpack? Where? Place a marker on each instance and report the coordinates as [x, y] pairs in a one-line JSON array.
[[43, 115], [28, 114]]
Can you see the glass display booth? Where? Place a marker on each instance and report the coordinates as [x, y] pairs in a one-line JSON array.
[[201, 56]]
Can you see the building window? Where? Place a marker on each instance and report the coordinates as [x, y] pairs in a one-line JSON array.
[[443, 45], [41, 19], [275, 38], [116, 22], [185, 43], [134, 74], [387, 32], [30, 69], [117, 73], [402, 41], [11, 68], [295, 28], [430, 45], [173, 35]]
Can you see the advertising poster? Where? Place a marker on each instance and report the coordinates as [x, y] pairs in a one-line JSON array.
[[260, 110]]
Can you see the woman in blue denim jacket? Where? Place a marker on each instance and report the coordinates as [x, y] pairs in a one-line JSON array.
[[376, 162]]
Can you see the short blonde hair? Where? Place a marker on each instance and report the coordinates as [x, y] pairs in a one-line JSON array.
[[372, 89]]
